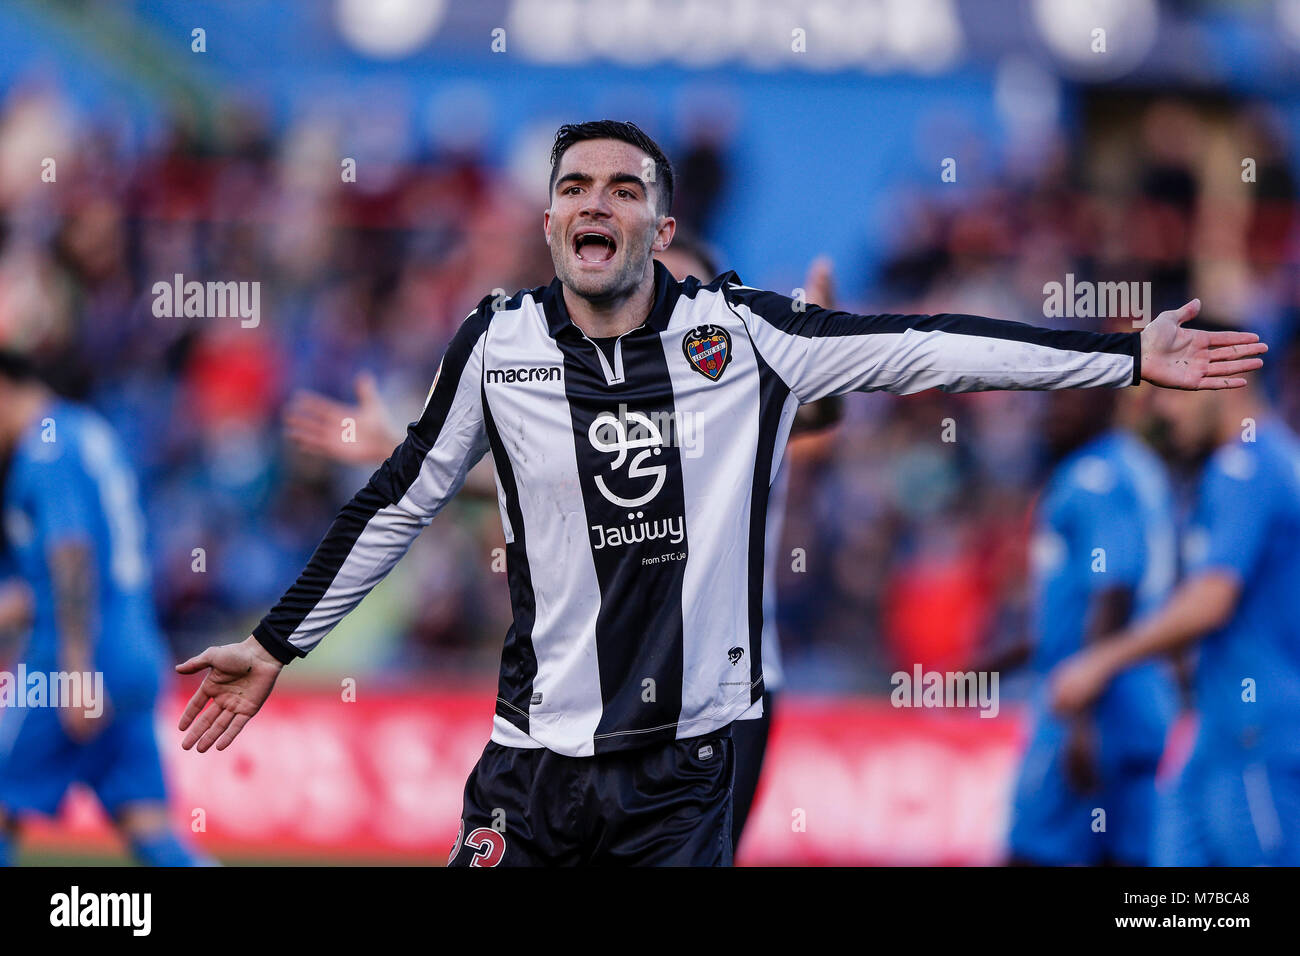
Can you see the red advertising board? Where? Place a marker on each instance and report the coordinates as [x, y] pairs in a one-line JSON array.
[[847, 781]]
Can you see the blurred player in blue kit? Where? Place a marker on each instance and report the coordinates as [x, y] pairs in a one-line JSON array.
[[73, 524], [1104, 549], [1237, 801]]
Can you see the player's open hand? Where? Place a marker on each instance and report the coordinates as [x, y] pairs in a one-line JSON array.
[[239, 681], [1175, 357], [1078, 681], [353, 434]]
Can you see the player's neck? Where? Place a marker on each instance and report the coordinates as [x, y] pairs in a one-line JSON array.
[[604, 319], [24, 409]]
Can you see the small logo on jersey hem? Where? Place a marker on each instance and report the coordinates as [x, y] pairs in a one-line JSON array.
[[708, 349], [706, 751], [735, 654]]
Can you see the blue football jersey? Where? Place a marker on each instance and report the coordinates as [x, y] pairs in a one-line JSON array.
[[69, 480], [1106, 521], [1247, 521]]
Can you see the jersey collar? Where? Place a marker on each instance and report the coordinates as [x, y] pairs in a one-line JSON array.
[[667, 291]]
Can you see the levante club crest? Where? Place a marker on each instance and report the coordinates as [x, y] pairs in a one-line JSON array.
[[708, 349]]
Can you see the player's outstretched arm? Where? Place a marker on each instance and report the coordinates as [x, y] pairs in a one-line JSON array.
[[373, 530], [1193, 359], [819, 352], [237, 684]]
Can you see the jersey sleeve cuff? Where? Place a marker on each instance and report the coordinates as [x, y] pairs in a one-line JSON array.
[[275, 645]]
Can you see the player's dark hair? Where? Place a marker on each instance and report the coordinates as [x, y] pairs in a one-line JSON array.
[[571, 133], [691, 244], [17, 367]]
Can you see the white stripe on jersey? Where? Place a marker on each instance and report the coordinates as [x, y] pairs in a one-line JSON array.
[[565, 589], [715, 595]]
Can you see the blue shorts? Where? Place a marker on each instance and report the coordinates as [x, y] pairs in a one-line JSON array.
[[1230, 810], [38, 761], [1053, 824]]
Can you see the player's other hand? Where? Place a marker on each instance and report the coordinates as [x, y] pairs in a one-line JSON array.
[[1078, 681], [239, 680], [357, 434], [82, 727], [819, 284], [1175, 357]]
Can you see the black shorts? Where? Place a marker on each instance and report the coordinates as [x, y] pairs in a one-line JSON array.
[[664, 805]]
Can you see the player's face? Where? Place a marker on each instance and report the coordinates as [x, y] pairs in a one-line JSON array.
[[1073, 415], [1190, 418], [603, 224]]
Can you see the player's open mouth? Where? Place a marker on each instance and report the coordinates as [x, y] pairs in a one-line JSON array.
[[592, 246]]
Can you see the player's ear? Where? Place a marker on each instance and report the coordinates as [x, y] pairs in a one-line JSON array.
[[546, 225], [664, 234]]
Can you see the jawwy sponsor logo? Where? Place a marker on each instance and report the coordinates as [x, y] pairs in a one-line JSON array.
[[669, 529], [610, 434]]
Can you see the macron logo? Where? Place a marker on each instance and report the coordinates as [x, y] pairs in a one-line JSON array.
[[102, 909], [509, 376]]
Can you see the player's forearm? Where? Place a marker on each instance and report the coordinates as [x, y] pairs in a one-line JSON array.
[[1200, 605], [975, 353], [72, 580], [377, 527], [367, 538], [15, 605], [820, 352], [1109, 611]]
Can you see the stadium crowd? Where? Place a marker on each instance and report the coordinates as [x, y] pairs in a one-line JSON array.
[[906, 532]]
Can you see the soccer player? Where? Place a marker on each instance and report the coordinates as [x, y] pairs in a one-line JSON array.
[[72, 519], [1104, 549], [313, 424], [635, 423], [1237, 800]]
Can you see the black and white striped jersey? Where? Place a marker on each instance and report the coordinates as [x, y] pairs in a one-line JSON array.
[[634, 490]]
